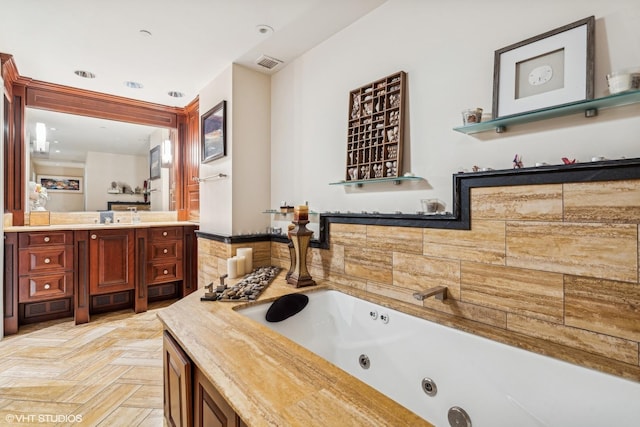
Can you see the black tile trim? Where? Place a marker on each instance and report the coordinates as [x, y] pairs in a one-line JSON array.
[[460, 218]]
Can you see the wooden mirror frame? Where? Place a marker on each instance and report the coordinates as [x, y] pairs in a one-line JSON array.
[[24, 92]]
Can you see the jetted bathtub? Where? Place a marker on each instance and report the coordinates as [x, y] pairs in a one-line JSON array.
[[444, 374]]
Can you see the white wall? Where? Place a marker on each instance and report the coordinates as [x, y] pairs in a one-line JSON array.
[[234, 205], [62, 201], [215, 195], [251, 150], [103, 168], [447, 48], [159, 197]]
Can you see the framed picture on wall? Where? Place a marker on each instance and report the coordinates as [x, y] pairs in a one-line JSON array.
[[154, 163], [547, 70], [61, 184], [213, 138]]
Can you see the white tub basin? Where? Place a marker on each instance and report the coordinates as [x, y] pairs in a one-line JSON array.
[[495, 384]]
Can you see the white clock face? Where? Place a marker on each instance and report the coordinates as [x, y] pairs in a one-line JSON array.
[[540, 75]]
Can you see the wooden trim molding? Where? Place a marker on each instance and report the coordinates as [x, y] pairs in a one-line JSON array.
[[9, 72], [49, 96]]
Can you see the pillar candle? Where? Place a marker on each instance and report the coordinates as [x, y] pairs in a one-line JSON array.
[[240, 265], [247, 253], [301, 213], [232, 268]]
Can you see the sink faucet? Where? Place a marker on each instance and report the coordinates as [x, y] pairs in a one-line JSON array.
[[440, 293]]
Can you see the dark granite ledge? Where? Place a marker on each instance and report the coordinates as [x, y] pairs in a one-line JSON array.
[[459, 219]]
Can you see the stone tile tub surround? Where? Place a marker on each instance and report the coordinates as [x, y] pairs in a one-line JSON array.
[[552, 268]]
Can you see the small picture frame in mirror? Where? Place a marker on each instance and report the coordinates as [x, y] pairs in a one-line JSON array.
[[154, 162]]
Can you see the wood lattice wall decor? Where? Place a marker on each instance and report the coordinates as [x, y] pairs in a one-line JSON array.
[[376, 123]]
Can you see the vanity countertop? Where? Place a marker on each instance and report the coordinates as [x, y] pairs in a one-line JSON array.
[[23, 228], [268, 379]]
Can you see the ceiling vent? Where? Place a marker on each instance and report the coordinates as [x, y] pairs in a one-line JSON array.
[[268, 62]]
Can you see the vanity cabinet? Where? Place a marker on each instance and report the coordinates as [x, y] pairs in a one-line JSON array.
[[196, 402], [177, 383], [45, 269], [62, 273], [210, 408]]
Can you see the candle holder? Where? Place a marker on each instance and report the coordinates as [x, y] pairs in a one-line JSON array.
[[292, 253], [300, 236]]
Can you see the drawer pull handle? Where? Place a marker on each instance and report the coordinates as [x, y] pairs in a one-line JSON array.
[[47, 260], [166, 271], [164, 233], [47, 239], [164, 251], [94, 237], [47, 286]]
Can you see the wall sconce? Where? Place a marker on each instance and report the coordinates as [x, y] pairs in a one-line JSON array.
[[41, 138], [166, 153], [40, 145]]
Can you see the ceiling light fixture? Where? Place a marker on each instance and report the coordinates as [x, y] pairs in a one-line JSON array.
[[264, 29], [175, 94], [133, 85], [85, 74]]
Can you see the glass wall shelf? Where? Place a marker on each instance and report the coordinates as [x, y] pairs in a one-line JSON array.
[[396, 180], [279, 212], [589, 107]]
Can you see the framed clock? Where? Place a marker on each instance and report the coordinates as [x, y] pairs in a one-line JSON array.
[[547, 70]]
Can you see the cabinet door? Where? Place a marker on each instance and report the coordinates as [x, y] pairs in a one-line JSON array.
[[210, 408], [177, 384], [111, 259]]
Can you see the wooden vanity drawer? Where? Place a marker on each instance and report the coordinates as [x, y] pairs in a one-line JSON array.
[[40, 260], [45, 287], [164, 272], [166, 249], [166, 233], [45, 238]]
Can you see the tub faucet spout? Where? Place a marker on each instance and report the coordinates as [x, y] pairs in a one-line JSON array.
[[439, 292]]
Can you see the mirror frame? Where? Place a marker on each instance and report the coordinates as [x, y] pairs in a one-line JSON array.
[[25, 92]]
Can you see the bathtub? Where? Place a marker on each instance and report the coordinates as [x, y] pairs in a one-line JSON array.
[[441, 373]]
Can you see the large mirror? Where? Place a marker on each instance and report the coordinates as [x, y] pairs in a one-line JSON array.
[[91, 164]]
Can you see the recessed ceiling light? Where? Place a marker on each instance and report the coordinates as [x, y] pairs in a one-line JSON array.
[[175, 94], [85, 74], [264, 29], [133, 85], [145, 33]]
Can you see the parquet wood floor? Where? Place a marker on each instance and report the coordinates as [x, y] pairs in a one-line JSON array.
[[104, 373]]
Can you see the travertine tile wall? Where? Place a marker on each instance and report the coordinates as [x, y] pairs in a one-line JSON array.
[[551, 268], [212, 258]]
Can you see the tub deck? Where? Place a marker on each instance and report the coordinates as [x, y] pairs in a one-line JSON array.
[[269, 380]]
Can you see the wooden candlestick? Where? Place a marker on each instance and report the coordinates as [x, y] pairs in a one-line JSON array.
[[301, 236], [292, 253]]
